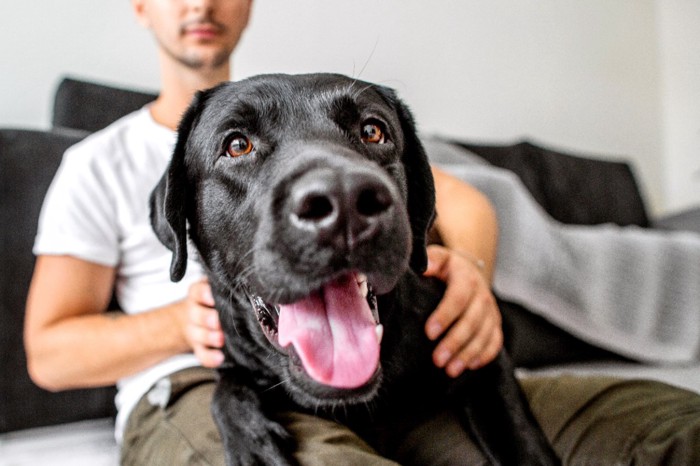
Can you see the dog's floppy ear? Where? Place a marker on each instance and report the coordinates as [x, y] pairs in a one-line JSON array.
[[419, 178], [168, 199]]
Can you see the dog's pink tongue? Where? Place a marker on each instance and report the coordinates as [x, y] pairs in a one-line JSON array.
[[333, 333]]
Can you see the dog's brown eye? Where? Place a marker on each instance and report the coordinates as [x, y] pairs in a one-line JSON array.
[[239, 145], [372, 133]]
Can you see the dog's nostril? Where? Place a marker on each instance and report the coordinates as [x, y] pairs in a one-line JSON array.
[[371, 202], [314, 208]]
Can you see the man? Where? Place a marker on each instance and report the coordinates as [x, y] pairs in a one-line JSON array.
[[95, 234]]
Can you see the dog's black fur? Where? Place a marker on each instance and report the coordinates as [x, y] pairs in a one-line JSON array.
[[287, 184]]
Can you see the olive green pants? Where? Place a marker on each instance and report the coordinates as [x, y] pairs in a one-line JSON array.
[[178, 429], [590, 421]]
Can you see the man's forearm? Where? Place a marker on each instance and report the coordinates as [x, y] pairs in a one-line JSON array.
[[98, 349]]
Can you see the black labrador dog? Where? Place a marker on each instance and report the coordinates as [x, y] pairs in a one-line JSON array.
[[308, 199]]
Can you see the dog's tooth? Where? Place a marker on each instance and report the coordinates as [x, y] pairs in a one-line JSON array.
[[364, 289], [361, 280], [380, 332]]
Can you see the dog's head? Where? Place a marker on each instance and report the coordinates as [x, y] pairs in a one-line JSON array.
[[308, 195]]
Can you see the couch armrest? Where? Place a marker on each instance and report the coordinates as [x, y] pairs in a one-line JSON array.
[[28, 161], [687, 220]]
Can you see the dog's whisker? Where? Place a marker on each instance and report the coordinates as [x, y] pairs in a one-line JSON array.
[[272, 387], [364, 66], [370, 406], [245, 268], [244, 264], [358, 90], [276, 296]]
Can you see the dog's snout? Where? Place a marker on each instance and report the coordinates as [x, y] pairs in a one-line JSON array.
[[342, 209]]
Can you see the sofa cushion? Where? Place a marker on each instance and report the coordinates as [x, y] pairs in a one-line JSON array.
[[28, 161], [88, 106], [533, 342], [573, 189]]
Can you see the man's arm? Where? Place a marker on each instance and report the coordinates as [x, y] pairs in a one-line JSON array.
[[468, 312], [72, 342], [466, 221]]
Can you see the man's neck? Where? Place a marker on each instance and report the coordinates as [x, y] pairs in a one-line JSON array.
[[178, 87]]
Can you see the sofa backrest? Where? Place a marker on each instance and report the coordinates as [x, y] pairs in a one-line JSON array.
[[573, 189], [89, 106]]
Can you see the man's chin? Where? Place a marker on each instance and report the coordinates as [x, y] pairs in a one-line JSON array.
[[212, 59]]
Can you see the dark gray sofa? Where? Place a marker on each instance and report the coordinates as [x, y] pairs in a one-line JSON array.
[[587, 191], [28, 161]]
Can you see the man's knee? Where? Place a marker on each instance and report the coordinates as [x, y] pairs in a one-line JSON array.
[[173, 425], [615, 421]]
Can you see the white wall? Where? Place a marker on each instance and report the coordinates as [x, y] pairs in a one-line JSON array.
[[42, 40], [679, 22], [592, 76]]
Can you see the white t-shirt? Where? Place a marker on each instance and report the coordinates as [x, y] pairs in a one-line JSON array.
[[97, 209]]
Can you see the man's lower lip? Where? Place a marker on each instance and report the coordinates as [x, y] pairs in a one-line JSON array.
[[202, 33]]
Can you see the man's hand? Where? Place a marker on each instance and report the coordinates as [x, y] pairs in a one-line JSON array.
[[202, 328], [468, 312]]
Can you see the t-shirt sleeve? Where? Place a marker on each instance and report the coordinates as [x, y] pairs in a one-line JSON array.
[[79, 215]]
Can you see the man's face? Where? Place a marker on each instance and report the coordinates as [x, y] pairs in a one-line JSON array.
[[200, 34]]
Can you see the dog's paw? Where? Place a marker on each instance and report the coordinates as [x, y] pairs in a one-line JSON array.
[[248, 435], [262, 443]]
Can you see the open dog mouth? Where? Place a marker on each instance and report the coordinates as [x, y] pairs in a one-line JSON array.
[[334, 333]]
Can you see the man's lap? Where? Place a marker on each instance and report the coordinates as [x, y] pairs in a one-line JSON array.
[[590, 420], [178, 429]]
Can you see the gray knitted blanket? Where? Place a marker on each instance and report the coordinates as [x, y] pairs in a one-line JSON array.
[[629, 290]]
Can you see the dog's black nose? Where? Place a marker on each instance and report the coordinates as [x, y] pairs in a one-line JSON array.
[[343, 209]]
